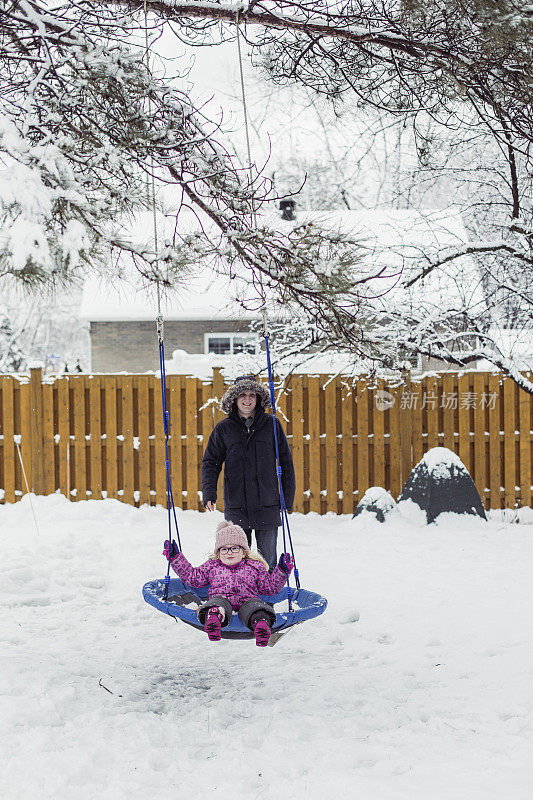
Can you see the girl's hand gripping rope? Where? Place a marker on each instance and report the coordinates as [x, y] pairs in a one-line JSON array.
[[171, 550], [286, 563]]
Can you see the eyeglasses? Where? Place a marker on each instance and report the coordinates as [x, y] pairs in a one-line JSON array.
[[234, 549]]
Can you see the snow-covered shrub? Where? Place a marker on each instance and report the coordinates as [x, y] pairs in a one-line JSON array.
[[440, 483], [378, 501]]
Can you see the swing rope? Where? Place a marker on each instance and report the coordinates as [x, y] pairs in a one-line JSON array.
[[283, 508], [243, 96], [150, 194], [171, 508], [286, 530]]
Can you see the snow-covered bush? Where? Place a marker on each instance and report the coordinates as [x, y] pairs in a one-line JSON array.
[[378, 501], [439, 483]]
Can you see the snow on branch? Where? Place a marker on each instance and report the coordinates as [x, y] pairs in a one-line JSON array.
[[400, 57], [87, 125]]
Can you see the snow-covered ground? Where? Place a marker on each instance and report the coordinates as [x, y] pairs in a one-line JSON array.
[[416, 683]]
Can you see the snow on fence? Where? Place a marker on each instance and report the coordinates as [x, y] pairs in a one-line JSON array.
[[102, 436]]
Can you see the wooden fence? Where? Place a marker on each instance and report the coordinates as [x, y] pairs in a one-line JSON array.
[[102, 436]]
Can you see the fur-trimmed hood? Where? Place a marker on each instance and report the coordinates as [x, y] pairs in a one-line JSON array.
[[246, 383]]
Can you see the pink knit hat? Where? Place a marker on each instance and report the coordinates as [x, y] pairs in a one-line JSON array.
[[229, 534]]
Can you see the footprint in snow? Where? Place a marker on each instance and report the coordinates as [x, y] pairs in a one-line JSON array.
[[349, 617]]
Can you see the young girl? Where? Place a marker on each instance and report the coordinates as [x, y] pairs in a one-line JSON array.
[[235, 577]]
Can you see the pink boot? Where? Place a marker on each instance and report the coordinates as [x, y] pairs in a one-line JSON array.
[[262, 633], [213, 624]]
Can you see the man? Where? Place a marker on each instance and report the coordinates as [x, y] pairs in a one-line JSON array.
[[244, 443]]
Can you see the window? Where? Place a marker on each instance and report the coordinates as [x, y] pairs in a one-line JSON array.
[[219, 344], [231, 343]]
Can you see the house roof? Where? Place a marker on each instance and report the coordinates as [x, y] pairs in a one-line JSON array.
[[404, 241], [130, 297], [204, 296], [395, 239]]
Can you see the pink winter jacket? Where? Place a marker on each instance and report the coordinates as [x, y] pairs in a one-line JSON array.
[[238, 582]]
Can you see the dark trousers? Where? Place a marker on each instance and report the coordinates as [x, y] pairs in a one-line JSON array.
[[250, 612], [266, 539]]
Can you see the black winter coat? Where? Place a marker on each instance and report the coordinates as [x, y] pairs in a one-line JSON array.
[[251, 495]]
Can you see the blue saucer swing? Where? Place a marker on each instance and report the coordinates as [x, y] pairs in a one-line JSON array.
[[305, 605], [173, 597]]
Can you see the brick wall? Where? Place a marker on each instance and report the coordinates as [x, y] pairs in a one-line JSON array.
[[131, 346]]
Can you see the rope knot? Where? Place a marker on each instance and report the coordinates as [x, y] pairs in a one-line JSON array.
[[160, 327], [265, 323]]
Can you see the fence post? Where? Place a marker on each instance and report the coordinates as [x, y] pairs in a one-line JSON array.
[[218, 391], [406, 431], [36, 430], [10, 455]]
